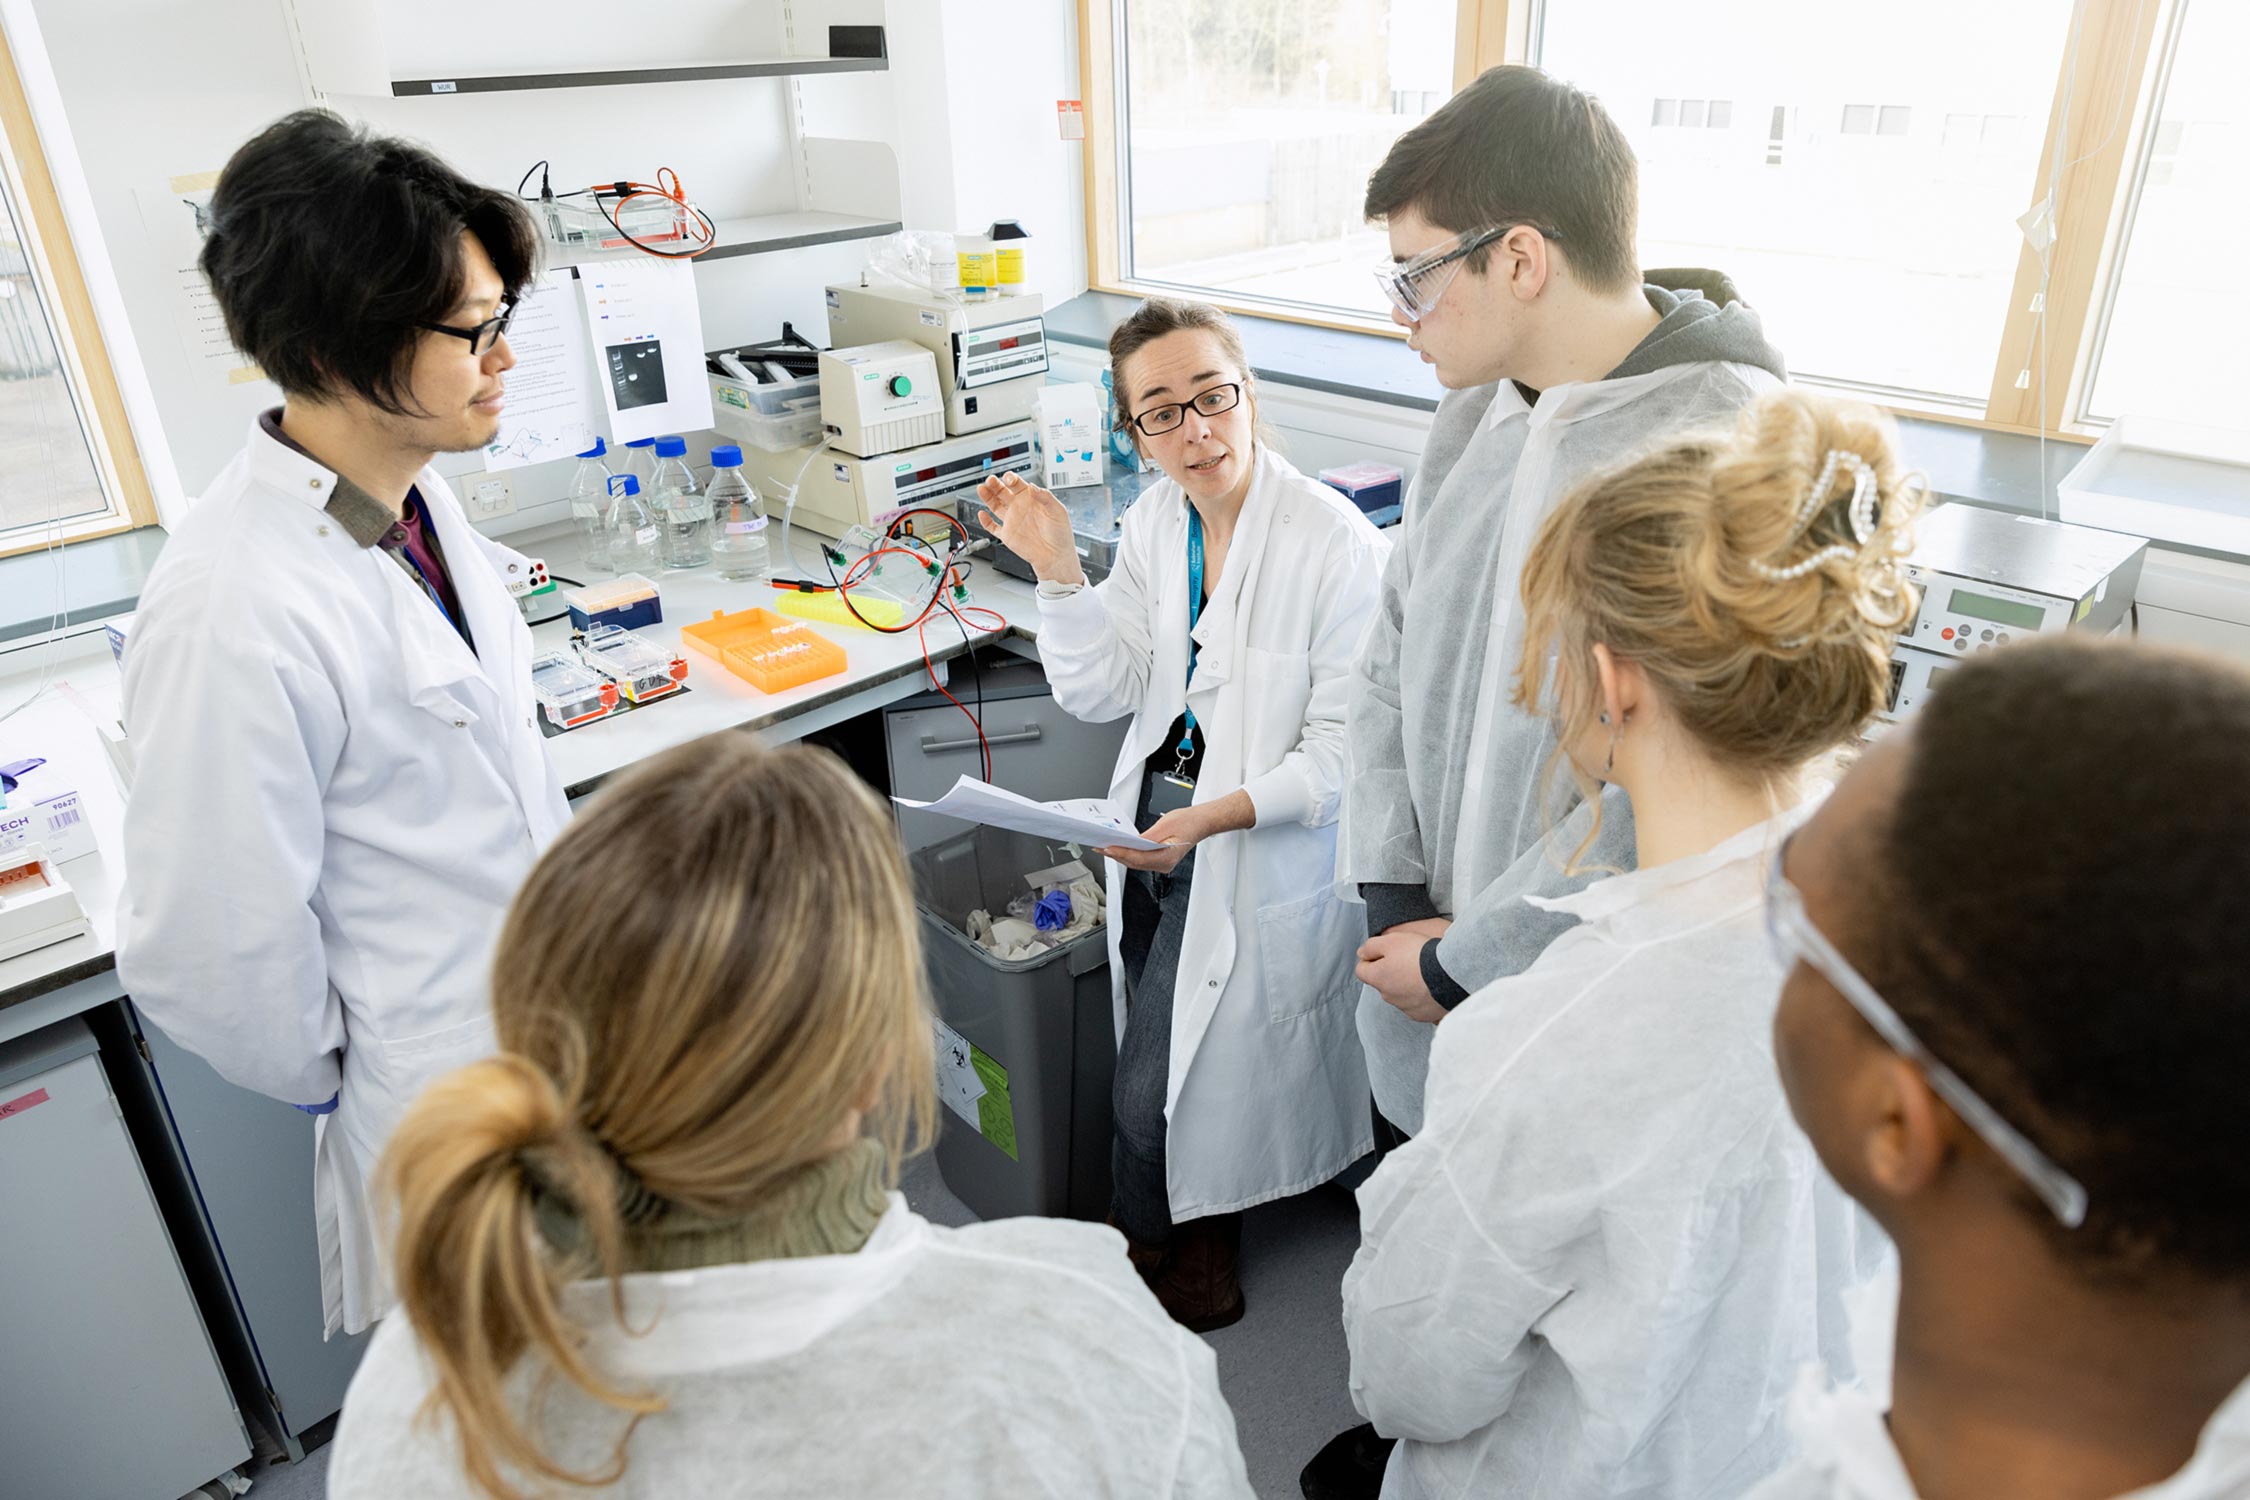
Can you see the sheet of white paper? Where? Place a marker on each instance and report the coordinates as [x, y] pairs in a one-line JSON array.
[[957, 1082], [647, 346], [554, 409], [175, 219], [1085, 821]]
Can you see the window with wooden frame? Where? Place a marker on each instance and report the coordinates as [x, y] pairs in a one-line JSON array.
[[68, 467], [1229, 144], [2174, 323], [1929, 203]]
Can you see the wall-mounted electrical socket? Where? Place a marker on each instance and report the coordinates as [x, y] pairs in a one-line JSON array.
[[490, 498]]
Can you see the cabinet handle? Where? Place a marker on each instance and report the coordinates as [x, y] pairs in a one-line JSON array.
[[1029, 734]]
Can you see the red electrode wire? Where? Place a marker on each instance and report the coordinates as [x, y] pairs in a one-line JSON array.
[[950, 570]]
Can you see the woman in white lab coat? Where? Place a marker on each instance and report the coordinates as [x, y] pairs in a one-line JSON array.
[[1600, 1264], [652, 1248], [1226, 631]]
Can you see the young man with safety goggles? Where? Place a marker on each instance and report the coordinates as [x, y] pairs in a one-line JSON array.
[[341, 778], [1513, 213]]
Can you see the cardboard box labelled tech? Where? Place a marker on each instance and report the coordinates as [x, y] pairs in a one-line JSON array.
[[57, 820]]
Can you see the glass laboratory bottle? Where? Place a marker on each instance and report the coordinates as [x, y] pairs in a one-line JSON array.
[[640, 462], [633, 529], [738, 522], [683, 511], [589, 508]]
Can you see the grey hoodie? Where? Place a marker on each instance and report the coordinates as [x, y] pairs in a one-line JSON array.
[[1427, 679]]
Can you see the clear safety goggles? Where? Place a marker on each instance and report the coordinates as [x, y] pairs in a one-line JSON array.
[[1414, 286], [1795, 937]]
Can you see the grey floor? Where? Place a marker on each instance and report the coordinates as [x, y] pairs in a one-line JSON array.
[[1283, 1366]]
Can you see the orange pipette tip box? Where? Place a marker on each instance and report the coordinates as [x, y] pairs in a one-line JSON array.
[[770, 651]]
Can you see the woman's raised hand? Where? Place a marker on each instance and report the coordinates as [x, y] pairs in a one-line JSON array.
[[1034, 525]]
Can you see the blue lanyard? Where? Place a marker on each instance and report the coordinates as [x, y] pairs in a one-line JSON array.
[[1186, 746]]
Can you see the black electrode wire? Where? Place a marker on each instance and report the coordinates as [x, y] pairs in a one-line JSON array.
[[624, 193], [710, 230]]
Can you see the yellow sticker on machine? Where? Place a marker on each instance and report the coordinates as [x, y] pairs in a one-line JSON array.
[[996, 1115], [2085, 608]]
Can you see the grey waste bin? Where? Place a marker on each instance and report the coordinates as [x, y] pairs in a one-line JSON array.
[[1040, 1034]]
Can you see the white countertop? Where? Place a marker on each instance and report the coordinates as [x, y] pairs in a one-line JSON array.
[[883, 669], [56, 728]]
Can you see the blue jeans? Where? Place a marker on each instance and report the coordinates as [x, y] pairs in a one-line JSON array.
[[1155, 922]]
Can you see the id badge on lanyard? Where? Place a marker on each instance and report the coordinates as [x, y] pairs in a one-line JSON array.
[[1169, 791]]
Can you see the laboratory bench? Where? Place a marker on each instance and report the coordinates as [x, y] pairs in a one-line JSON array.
[[202, 1314]]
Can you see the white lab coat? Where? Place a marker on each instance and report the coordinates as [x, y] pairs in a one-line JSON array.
[[1847, 1452], [1599, 1267], [1268, 1088], [334, 804], [1020, 1357]]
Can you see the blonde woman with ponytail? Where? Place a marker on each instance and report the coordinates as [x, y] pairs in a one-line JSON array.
[[653, 1247], [1599, 1267]]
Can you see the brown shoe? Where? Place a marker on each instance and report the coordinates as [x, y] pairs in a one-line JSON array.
[[1148, 1260], [1199, 1286]]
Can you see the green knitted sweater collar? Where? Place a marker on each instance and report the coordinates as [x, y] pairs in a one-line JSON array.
[[829, 1208]]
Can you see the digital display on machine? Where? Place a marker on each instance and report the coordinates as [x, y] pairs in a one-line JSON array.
[[1998, 611]]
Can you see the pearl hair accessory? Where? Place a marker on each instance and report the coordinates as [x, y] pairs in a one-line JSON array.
[[1862, 517]]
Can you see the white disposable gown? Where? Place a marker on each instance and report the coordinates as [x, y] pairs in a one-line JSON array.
[[1846, 1453], [1447, 775], [1600, 1266], [1018, 1358]]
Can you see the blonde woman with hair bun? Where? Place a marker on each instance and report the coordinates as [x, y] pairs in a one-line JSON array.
[[653, 1247], [1599, 1267]]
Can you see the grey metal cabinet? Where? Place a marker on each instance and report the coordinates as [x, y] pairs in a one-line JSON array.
[[248, 1161], [1038, 750], [109, 1383]]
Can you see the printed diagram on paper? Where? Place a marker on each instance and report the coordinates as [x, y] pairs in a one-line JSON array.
[[176, 220], [552, 411], [647, 335]]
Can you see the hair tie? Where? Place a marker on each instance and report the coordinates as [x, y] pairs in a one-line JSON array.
[[1862, 515], [637, 1202]]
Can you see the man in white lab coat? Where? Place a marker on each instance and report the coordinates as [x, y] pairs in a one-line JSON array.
[[340, 777]]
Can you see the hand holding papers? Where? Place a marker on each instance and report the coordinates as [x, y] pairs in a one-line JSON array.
[[1087, 820]]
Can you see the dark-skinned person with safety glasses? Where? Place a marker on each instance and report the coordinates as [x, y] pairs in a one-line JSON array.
[[2016, 1029]]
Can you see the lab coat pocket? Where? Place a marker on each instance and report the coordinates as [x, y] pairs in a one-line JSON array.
[[1307, 949], [410, 1062], [447, 706]]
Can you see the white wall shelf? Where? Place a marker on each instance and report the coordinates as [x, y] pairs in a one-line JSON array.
[[757, 235], [497, 83], [793, 231]]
